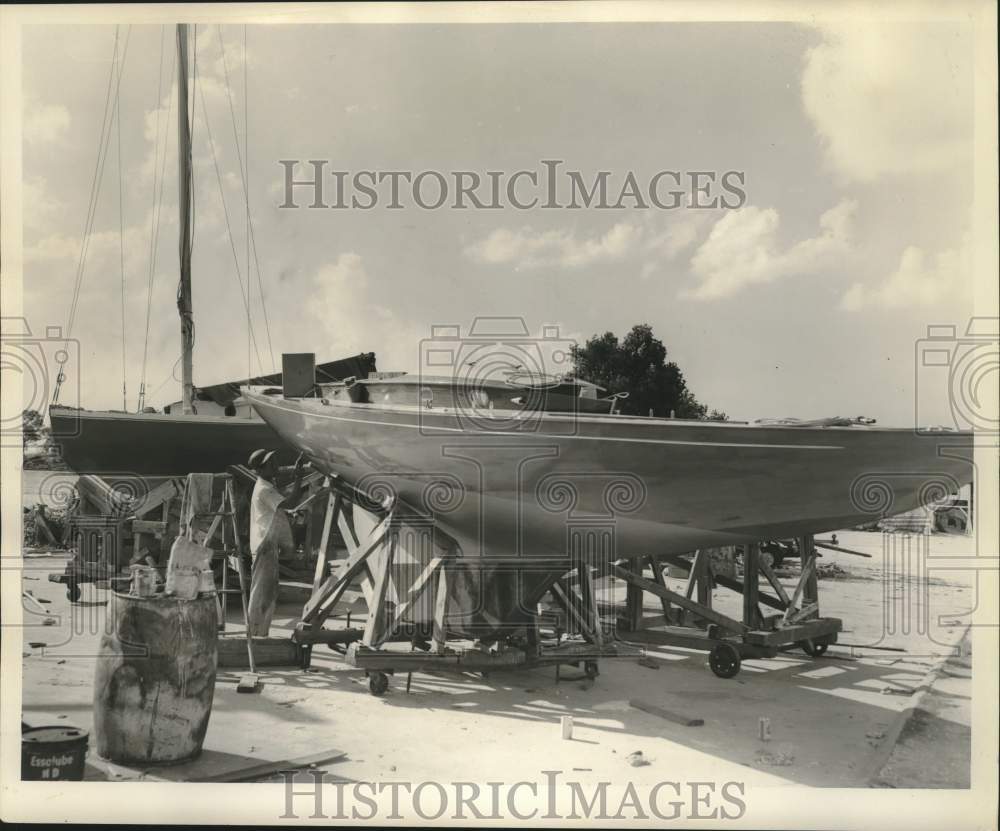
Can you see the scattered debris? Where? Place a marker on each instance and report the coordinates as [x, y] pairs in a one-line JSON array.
[[764, 728], [37, 644], [567, 726], [775, 759], [652, 709], [649, 663], [831, 571], [636, 759], [874, 737], [49, 621]]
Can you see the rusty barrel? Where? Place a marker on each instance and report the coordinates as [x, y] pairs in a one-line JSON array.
[[155, 678]]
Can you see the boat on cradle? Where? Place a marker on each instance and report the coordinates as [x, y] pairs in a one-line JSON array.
[[539, 488]]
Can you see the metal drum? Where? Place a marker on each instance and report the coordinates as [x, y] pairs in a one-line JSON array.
[[155, 678]]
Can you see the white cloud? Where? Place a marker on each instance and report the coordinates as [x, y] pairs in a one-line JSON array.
[[533, 249], [650, 239], [919, 280], [45, 122], [742, 250], [345, 316], [40, 209], [890, 98]]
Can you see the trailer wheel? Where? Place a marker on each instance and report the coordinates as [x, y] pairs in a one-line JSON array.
[[378, 683], [591, 670], [724, 659], [72, 590], [813, 648]]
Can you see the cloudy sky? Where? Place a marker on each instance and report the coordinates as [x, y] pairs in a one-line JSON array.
[[855, 144]]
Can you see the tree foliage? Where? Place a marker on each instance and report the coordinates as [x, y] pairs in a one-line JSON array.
[[637, 364], [32, 426]]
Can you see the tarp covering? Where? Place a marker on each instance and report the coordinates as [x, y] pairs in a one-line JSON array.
[[357, 366]]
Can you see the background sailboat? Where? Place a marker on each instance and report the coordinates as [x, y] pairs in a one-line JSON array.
[[209, 427]]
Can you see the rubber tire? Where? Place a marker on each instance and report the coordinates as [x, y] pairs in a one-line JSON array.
[[814, 649], [591, 669], [724, 660], [378, 683]]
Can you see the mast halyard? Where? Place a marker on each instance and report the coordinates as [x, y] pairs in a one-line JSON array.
[[184, 304]]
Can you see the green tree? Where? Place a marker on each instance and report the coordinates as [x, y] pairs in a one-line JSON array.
[[638, 365]]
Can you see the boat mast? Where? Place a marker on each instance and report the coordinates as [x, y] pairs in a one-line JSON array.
[[184, 305]]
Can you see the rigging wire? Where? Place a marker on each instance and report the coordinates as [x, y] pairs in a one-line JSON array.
[[103, 146], [121, 232], [246, 197], [244, 294], [246, 176], [156, 210]]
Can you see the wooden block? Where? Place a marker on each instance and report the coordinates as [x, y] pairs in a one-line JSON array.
[[249, 683], [267, 652], [653, 710]]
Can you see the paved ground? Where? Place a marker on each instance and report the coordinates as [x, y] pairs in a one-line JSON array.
[[933, 748], [828, 717]]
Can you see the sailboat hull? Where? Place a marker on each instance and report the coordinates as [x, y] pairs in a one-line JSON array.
[[155, 443], [540, 486]]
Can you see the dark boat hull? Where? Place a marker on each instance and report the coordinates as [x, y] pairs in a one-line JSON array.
[[145, 444]]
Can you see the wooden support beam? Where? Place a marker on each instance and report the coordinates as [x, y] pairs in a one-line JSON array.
[[160, 495], [808, 610], [416, 590], [807, 571], [772, 578], [336, 585], [807, 554], [657, 569], [762, 597], [697, 609], [633, 601], [751, 611], [568, 600], [323, 555], [149, 526], [704, 571], [824, 627], [589, 597], [692, 578], [441, 610], [376, 626]]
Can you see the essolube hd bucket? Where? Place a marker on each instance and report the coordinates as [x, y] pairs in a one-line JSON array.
[[56, 752]]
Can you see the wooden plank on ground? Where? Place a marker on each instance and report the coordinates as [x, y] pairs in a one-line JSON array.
[[669, 715]]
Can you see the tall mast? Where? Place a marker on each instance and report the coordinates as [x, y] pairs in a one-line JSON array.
[[184, 305]]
